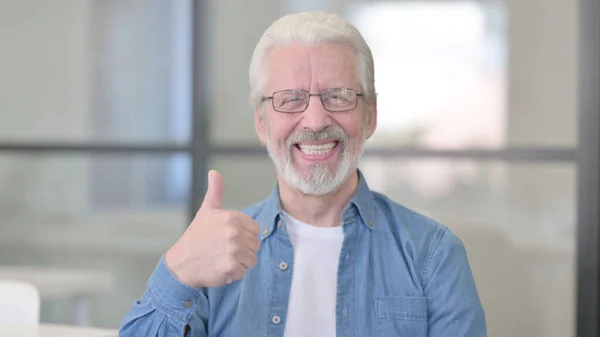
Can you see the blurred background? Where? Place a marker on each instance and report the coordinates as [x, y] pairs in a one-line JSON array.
[[112, 111]]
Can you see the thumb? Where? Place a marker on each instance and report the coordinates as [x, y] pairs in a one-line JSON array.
[[214, 192]]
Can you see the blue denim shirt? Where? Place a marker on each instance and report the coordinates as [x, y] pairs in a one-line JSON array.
[[399, 274]]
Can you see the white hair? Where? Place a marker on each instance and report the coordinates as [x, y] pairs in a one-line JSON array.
[[311, 28]]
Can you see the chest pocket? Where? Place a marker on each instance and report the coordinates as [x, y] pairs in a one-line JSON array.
[[401, 316]]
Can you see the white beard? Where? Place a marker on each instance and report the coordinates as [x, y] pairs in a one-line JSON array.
[[319, 179]]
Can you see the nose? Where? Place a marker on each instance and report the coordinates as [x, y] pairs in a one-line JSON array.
[[315, 117]]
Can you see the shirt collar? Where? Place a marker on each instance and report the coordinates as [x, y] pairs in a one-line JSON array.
[[361, 204]]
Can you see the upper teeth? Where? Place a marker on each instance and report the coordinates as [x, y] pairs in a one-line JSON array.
[[316, 149]]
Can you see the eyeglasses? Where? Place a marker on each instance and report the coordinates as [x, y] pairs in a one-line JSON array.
[[333, 100]]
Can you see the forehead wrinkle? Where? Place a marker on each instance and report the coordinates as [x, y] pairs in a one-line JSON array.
[[300, 73], [305, 73], [314, 68], [334, 71], [310, 72]]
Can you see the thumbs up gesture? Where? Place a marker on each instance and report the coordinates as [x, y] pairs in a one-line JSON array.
[[218, 247]]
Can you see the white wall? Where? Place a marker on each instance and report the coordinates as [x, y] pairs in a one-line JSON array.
[[543, 72], [237, 27], [44, 87]]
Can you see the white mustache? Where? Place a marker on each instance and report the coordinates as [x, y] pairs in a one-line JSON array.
[[330, 132]]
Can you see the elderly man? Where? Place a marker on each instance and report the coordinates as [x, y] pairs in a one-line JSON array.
[[323, 255]]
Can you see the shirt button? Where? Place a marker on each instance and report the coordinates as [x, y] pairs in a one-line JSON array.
[[283, 266], [279, 224], [265, 232], [187, 304], [276, 319]]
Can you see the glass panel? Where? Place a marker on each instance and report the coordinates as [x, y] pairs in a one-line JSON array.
[[113, 214], [92, 70], [440, 72], [248, 180], [450, 74], [516, 220]]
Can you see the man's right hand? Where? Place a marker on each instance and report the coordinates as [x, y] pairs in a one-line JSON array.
[[218, 246]]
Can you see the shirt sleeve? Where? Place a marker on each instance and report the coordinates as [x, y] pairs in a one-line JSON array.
[[454, 307], [167, 308]]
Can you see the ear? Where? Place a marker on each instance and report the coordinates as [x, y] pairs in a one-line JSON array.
[[371, 118], [259, 124]]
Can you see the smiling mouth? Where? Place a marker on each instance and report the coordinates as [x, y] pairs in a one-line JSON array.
[[317, 150]]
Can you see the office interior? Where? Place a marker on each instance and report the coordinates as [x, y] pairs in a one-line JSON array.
[[112, 112]]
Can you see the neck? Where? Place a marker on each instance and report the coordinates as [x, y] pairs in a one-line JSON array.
[[318, 210]]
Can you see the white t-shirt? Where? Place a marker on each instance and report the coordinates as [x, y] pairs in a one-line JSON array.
[[311, 309]]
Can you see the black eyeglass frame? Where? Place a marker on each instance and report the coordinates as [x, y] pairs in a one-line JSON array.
[[320, 94]]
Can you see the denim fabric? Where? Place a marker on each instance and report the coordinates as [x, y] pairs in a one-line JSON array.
[[400, 274]]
